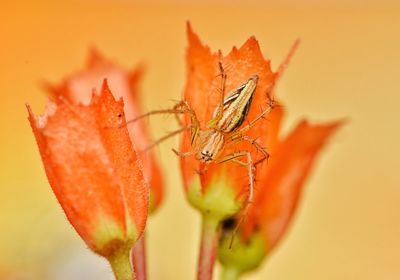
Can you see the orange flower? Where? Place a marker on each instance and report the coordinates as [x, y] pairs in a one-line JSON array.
[[93, 170], [220, 190], [281, 181], [276, 197], [124, 83], [223, 188], [203, 94]]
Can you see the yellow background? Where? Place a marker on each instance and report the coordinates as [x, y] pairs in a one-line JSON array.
[[348, 223]]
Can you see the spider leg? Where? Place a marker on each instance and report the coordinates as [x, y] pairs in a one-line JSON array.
[[169, 135], [156, 112], [184, 106], [195, 124], [223, 83], [259, 148], [270, 91], [223, 75], [176, 107], [181, 107], [237, 136], [231, 157], [184, 154], [259, 117], [251, 168]]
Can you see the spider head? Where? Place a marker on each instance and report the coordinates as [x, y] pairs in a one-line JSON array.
[[205, 156], [211, 145]]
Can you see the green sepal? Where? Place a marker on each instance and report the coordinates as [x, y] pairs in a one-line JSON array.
[[243, 256], [108, 236], [218, 200]]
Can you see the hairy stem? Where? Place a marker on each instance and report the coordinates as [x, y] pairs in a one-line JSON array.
[[139, 258], [230, 273], [121, 265], [208, 245]]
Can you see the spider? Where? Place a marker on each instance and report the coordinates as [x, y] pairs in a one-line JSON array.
[[223, 128]]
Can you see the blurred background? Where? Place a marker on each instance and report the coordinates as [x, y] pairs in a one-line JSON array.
[[348, 223]]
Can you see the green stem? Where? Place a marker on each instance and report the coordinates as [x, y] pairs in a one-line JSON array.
[[230, 273], [208, 247], [121, 265]]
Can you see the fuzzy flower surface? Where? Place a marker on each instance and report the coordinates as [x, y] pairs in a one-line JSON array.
[[203, 94], [77, 88], [223, 187], [94, 170], [279, 188]]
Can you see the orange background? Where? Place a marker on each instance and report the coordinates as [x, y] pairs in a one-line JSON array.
[[348, 223]]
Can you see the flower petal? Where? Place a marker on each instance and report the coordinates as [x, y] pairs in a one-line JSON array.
[[77, 89], [285, 177], [202, 69], [203, 94], [93, 169]]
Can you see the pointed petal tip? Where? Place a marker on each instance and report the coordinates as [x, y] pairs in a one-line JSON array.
[[189, 30], [282, 67], [287, 175], [48, 86], [332, 125], [105, 89], [316, 135], [252, 43], [295, 46], [135, 76], [193, 38], [104, 86], [137, 72], [31, 115], [341, 122], [55, 91], [296, 42], [94, 57], [335, 125], [252, 39], [250, 50], [107, 94], [307, 124], [94, 93]]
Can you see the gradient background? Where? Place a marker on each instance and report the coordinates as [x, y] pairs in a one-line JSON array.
[[348, 223]]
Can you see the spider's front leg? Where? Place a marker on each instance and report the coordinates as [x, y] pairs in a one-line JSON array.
[[184, 154], [237, 137], [265, 154], [262, 115], [219, 111], [194, 122], [223, 83], [181, 107], [169, 135], [251, 168]]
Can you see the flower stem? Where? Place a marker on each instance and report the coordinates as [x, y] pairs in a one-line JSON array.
[[139, 258], [230, 273], [208, 245], [121, 265]]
